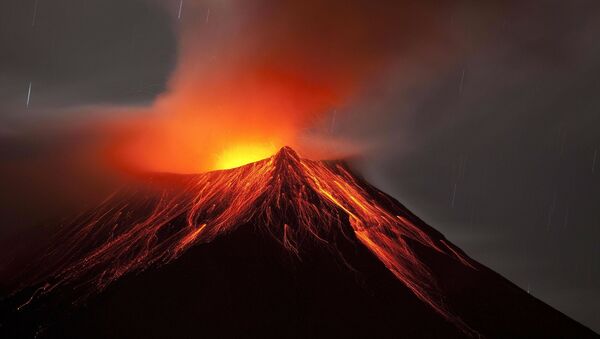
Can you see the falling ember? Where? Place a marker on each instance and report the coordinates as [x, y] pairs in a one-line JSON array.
[[292, 199], [28, 96], [189, 239]]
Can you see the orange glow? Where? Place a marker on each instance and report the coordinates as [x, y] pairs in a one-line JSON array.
[[230, 103], [241, 80], [239, 155], [222, 127]]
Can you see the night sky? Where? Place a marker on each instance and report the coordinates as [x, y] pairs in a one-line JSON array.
[[481, 118]]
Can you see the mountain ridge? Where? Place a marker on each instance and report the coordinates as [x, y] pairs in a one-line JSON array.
[[306, 207]]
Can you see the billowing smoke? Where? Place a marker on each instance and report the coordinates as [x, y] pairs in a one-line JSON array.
[[254, 76]]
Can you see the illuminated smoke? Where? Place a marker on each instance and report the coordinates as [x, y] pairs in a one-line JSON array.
[[258, 74]]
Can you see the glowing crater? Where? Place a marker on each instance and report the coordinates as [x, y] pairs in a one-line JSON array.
[[242, 154]]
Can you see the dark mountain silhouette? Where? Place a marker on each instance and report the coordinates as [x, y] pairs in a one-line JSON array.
[[285, 247]]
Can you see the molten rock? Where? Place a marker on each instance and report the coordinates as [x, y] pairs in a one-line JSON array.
[[284, 246]]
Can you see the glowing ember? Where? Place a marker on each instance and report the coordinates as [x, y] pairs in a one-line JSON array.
[[295, 200]]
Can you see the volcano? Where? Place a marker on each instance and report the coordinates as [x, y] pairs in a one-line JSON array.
[[283, 247]]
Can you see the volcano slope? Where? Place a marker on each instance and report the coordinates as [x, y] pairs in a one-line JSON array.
[[284, 247]]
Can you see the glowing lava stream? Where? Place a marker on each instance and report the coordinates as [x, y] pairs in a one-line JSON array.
[[293, 199]]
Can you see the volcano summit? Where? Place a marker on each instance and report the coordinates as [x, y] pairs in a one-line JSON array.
[[285, 247]]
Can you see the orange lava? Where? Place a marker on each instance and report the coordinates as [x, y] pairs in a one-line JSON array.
[[291, 198]]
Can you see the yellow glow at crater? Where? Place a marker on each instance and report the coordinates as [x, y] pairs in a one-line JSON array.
[[239, 155]]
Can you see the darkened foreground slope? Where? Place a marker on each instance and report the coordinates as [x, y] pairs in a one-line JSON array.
[[286, 247]]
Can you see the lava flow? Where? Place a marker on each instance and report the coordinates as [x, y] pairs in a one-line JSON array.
[[294, 200]]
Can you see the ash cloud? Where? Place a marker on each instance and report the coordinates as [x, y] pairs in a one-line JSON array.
[[267, 71]]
